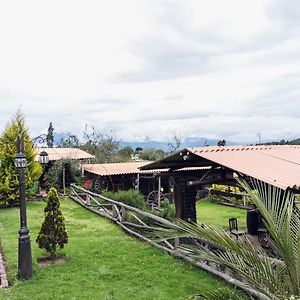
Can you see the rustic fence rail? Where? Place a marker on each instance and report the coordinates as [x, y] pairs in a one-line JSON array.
[[145, 226]]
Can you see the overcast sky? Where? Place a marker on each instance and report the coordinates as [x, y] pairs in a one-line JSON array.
[[218, 69]]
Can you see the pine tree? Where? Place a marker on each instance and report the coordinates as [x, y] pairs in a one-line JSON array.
[[9, 181], [53, 235], [50, 136]]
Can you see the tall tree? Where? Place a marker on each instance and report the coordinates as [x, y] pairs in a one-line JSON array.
[[9, 181], [70, 141], [50, 136], [101, 144], [221, 143], [125, 154], [152, 154]]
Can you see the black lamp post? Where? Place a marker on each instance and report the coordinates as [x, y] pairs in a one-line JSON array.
[[24, 253], [43, 159]]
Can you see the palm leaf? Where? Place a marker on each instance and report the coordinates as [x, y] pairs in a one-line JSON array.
[[219, 294], [281, 218]]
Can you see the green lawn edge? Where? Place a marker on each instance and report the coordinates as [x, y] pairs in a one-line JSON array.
[[103, 262]]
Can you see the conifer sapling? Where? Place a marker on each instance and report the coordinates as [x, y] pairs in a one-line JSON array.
[[53, 235]]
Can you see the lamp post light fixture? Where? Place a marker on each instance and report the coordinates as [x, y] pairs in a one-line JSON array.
[[43, 158], [24, 250]]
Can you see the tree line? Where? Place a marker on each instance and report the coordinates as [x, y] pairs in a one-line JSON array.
[[104, 146]]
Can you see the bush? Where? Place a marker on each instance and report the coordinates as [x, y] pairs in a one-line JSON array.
[[233, 200], [32, 191], [131, 197], [55, 174], [167, 210], [53, 235]]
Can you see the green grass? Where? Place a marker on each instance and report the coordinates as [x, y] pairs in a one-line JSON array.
[[103, 262], [211, 213]]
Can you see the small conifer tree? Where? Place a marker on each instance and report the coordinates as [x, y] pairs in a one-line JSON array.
[[53, 235]]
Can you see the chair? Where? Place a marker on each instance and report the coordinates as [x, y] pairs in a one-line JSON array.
[[233, 228]]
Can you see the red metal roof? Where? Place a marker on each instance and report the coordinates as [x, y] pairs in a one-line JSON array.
[[114, 168], [277, 165], [64, 153], [124, 168]]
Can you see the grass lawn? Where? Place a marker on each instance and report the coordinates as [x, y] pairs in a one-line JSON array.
[[211, 213], [103, 262]]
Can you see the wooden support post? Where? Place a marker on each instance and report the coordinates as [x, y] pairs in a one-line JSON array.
[[185, 201], [159, 192], [64, 180], [137, 185]]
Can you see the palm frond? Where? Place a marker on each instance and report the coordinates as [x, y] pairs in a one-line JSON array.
[[219, 294], [282, 220]]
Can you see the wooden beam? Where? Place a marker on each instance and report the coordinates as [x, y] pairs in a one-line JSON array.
[[212, 181]]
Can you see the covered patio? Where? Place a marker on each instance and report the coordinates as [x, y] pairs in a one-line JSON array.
[[155, 184], [278, 166]]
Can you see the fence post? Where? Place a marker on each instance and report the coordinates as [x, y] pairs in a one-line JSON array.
[[88, 199], [176, 243], [114, 211], [123, 214]]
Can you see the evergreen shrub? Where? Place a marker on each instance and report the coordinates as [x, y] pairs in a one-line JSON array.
[[53, 235], [9, 178], [167, 210]]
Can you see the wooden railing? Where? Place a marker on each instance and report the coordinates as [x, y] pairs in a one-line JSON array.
[[146, 226]]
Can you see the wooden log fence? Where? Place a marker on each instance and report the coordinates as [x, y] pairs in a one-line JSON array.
[[145, 226]]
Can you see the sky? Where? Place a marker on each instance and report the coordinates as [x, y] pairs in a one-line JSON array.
[[152, 69]]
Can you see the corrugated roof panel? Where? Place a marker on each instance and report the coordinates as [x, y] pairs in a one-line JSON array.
[[114, 168], [126, 168], [63, 153], [277, 165]]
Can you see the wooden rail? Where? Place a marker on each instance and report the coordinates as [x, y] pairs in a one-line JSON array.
[[145, 226]]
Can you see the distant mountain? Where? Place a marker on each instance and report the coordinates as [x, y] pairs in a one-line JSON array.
[[151, 144], [284, 142], [201, 142], [187, 142], [294, 142], [146, 145]]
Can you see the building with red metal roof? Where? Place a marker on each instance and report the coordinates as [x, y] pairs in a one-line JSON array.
[[64, 153], [277, 165]]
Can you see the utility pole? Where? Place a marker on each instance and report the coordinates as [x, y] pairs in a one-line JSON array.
[[259, 138]]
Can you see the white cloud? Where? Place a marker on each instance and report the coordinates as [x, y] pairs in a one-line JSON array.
[[144, 68]]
